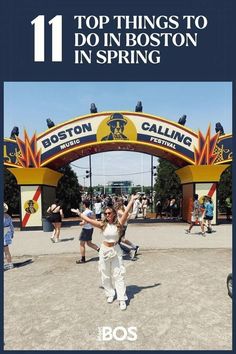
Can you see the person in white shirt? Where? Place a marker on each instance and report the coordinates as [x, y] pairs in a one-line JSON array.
[[98, 208], [86, 232], [144, 205], [110, 254], [136, 207]]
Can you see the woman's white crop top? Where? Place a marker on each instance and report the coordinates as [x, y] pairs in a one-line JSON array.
[[111, 233]]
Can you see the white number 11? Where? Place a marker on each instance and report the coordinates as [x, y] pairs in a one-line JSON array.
[[39, 38]]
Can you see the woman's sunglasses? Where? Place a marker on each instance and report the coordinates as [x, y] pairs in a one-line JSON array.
[[108, 213]]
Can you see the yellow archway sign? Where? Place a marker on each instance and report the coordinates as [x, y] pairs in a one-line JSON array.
[[37, 159]]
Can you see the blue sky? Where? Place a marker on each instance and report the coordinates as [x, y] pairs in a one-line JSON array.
[[29, 104]]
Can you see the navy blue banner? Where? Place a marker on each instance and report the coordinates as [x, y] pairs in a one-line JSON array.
[[195, 48], [76, 142], [165, 143]]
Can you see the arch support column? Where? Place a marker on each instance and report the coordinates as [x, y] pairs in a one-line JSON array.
[[37, 192], [201, 180]]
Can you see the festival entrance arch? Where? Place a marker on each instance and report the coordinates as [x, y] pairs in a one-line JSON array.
[[34, 161]]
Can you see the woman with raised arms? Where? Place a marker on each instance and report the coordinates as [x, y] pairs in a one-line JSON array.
[[110, 254]]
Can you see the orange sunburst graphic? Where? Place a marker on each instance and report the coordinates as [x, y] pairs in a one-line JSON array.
[[30, 157], [204, 154]]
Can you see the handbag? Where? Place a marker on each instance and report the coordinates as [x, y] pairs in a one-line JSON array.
[[111, 253], [50, 216]]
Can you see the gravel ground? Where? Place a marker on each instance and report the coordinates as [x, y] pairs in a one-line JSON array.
[[177, 294]]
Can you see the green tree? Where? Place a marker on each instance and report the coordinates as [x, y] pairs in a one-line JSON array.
[[136, 189], [11, 192], [147, 190], [224, 188], [68, 190], [167, 182]]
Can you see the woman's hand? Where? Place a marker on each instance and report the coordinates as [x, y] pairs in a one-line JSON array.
[[76, 211], [125, 215], [134, 197]]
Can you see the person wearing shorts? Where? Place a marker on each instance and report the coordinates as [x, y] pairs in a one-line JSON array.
[[126, 245], [56, 215], [208, 215], [197, 215], [86, 233]]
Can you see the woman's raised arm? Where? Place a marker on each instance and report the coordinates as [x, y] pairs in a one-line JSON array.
[[125, 215], [93, 222]]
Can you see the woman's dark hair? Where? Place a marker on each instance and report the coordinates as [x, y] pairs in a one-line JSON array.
[[57, 202], [210, 200]]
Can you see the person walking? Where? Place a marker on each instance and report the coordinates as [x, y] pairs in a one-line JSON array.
[[197, 214], [86, 232], [55, 217], [132, 249], [158, 208], [208, 213], [110, 254], [173, 207], [136, 207], [228, 205], [144, 205], [8, 236]]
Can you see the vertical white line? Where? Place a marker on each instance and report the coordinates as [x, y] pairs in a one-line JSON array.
[[39, 50], [56, 23], [142, 172], [103, 172]]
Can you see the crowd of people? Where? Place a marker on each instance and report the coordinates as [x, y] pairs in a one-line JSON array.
[[164, 207], [168, 207], [139, 209]]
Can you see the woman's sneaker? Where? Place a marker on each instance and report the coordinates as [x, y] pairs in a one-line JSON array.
[[8, 266], [110, 299], [132, 254], [123, 305]]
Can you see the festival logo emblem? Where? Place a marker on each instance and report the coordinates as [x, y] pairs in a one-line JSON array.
[[116, 127], [31, 206]]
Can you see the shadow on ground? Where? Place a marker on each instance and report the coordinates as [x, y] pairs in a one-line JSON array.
[[132, 290], [22, 264], [67, 239]]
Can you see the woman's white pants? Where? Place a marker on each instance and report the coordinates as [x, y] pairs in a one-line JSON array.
[[113, 270]]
